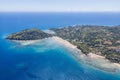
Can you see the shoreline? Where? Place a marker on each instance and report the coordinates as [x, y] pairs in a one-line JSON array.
[[27, 42], [97, 61]]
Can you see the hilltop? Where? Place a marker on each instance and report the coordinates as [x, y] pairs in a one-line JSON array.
[[29, 34]]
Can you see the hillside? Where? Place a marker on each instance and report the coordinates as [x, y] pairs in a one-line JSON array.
[[29, 34]]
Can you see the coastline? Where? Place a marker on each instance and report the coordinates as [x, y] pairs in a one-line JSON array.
[[97, 61], [27, 42]]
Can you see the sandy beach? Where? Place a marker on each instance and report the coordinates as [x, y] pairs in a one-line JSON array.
[[64, 42], [100, 62]]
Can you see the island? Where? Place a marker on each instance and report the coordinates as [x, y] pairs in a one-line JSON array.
[[100, 40]]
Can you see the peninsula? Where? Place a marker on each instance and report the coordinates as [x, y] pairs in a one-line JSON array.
[[100, 40], [29, 34]]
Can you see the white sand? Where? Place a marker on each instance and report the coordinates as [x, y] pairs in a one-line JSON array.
[[62, 41], [97, 61], [49, 31], [100, 62]]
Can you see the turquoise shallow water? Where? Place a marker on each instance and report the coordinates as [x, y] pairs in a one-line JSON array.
[[46, 60]]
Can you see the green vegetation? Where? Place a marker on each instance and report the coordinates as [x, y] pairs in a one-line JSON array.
[[29, 34], [84, 48], [102, 40]]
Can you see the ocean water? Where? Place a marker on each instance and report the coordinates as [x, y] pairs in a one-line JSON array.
[[47, 60]]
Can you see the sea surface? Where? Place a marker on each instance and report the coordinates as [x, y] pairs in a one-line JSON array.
[[48, 60]]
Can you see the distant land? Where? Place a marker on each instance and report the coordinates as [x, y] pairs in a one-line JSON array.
[[100, 40]]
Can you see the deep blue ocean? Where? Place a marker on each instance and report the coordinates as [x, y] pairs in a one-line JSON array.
[[48, 61]]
